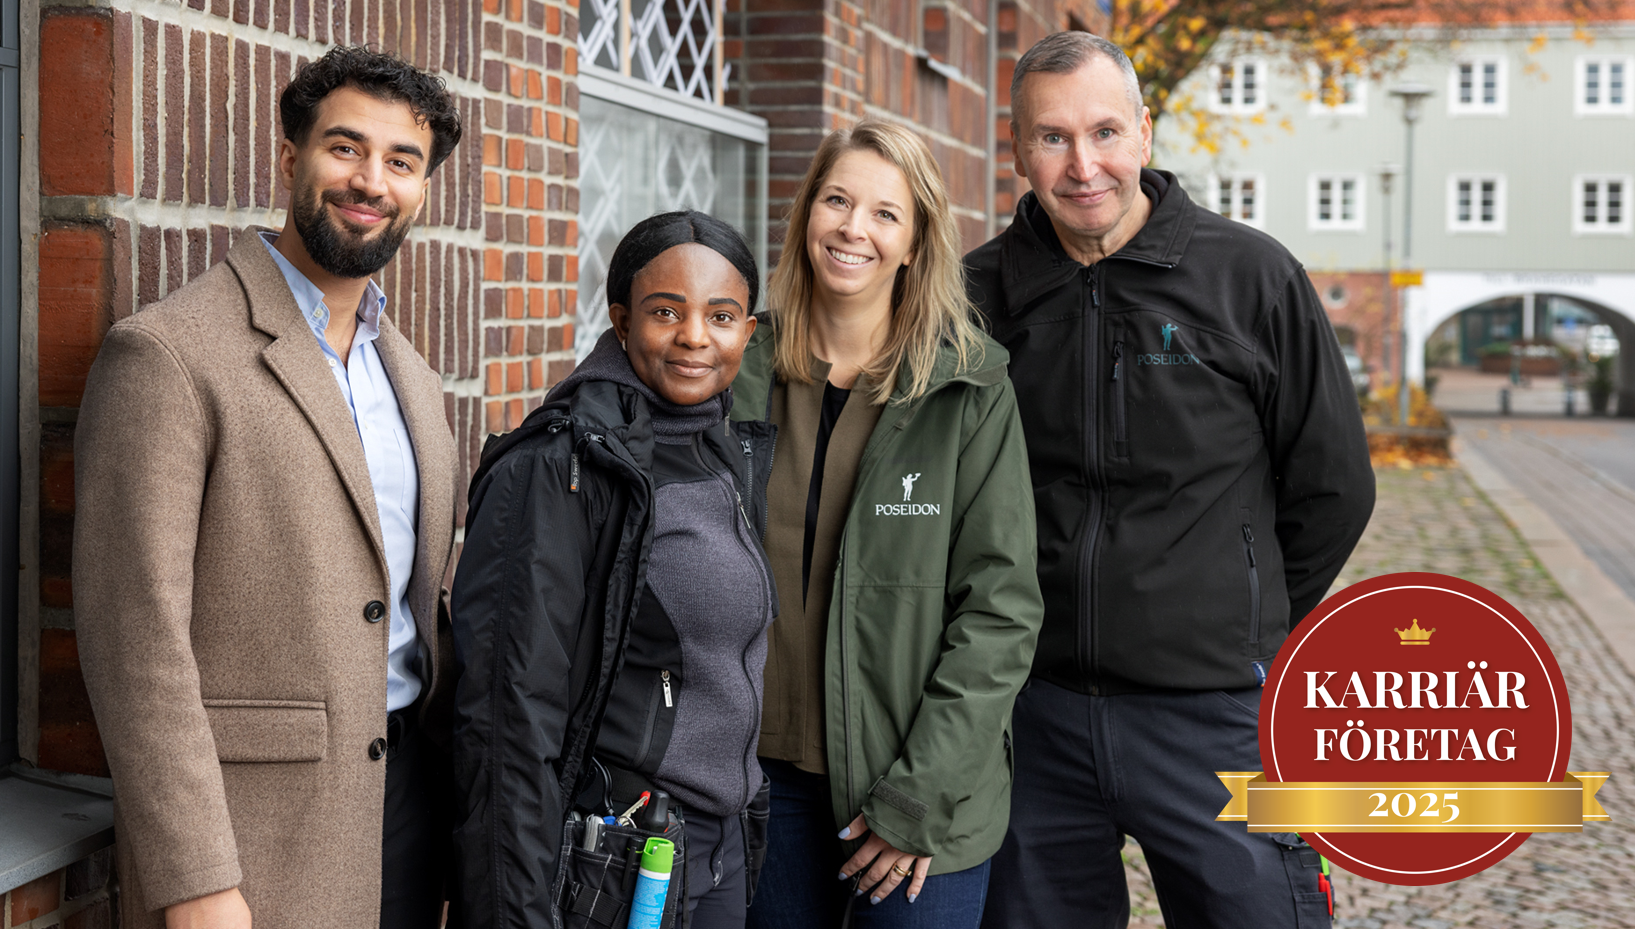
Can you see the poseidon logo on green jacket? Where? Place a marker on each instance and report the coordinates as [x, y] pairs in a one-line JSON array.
[[908, 507]]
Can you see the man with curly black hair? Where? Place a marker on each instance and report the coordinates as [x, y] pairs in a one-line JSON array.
[[266, 492]]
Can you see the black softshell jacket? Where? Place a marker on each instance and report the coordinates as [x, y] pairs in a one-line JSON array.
[[545, 605], [1199, 464]]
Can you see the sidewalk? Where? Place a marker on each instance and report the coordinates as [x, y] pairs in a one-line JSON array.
[[1437, 520], [1468, 391]]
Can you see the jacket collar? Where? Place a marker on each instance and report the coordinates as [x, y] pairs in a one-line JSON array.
[[606, 414], [756, 378], [299, 364], [752, 388], [1033, 262]]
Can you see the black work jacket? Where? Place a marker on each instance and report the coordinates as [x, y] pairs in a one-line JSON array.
[[1199, 464], [545, 606]]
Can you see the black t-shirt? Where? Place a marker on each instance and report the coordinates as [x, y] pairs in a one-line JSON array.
[[834, 400]]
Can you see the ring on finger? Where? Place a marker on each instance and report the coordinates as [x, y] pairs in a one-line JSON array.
[[900, 871]]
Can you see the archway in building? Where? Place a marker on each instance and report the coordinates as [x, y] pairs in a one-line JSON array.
[[1445, 294], [1467, 338]]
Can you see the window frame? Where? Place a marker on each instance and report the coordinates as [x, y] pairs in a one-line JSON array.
[[1582, 107], [1357, 106], [1357, 223], [649, 101], [1625, 225], [11, 308], [1501, 104], [1233, 180], [1476, 226], [1236, 107]]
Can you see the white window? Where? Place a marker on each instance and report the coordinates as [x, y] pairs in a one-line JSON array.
[[1477, 86], [1238, 86], [1335, 202], [1239, 196], [1351, 90], [1602, 85], [1476, 203], [1601, 203]]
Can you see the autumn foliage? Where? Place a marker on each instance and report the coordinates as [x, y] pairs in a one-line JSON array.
[[1168, 40]]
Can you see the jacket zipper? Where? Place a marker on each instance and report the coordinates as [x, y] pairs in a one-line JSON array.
[[747, 527], [1092, 529], [766, 508], [573, 487], [573, 461], [846, 683], [743, 658], [653, 719], [1254, 585], [1121, 445], [749, 481]]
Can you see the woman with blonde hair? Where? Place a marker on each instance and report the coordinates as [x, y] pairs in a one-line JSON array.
[[901, 536]]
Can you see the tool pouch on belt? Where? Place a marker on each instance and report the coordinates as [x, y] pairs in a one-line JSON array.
[[755, 820], [596, 886], [1303, 865]]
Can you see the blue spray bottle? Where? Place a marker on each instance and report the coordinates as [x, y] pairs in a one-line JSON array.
[[647, 909]]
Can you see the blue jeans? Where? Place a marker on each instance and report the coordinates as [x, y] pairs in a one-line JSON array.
[[799, 886]]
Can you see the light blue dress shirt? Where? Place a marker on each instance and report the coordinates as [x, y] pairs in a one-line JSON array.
[[386, 446]]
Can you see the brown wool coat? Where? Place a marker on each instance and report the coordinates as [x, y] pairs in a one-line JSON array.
[[226, 543]]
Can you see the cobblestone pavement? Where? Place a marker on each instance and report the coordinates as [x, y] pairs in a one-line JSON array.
[[1436, 520]]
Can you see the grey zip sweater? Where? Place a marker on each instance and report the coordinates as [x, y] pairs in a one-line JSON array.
[[700, 631], [709, 578]]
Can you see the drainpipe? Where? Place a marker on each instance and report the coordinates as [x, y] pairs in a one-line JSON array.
[[991, 133]]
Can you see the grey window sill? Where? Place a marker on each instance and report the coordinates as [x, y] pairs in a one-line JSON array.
[[49, 821]]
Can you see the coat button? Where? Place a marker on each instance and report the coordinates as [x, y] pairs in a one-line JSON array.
[[375, 611], [377, 749]]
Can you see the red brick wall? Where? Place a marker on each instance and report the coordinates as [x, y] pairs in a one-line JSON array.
[[1359, 309], [158, 133], [1021, 24], [811, 66], [80, 896]]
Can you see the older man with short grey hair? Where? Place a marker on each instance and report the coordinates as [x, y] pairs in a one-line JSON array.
[[1200, 473]]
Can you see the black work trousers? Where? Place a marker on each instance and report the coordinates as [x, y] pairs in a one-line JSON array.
[[717, 882], [416, 834], [1091, 770]]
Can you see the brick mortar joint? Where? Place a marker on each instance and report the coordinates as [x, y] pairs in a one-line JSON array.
[[960, 12], [163, 13], [97, 210], [957, 144], [170, 214], [892, 41]]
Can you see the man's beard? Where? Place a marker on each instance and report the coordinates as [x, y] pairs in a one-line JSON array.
[[343, 252]]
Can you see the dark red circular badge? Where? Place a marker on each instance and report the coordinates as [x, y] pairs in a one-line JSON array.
[[1409, 679]]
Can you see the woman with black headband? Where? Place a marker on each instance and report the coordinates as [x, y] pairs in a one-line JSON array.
[[612, 601]]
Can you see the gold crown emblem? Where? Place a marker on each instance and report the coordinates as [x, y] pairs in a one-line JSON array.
[[1413, 635]]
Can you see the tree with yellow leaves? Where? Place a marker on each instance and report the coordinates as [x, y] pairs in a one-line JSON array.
[[1168, 40]]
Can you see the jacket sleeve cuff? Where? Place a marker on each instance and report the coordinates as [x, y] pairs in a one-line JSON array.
[[161, 888], [899, 818]]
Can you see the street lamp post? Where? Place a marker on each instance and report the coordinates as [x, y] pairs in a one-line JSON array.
[[1387, 173], [1412, 96]]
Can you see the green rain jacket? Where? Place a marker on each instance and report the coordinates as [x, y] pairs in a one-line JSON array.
[[935, 610]]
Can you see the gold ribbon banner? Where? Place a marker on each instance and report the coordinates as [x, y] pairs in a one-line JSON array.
[[1439, 806]]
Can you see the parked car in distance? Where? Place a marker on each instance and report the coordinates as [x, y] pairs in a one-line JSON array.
[[1359, 370]]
